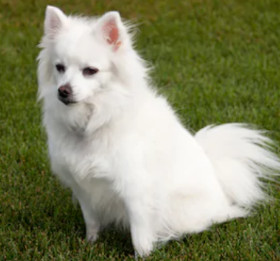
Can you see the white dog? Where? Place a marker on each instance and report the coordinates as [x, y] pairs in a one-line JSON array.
[[123, 151]]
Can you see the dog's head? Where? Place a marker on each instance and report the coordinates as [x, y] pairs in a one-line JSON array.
[[80, 56]]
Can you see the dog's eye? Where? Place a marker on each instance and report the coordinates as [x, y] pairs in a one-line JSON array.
[[60, 68], [88, 71]]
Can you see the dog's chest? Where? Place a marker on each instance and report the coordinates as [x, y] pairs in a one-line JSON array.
[[75, 160]]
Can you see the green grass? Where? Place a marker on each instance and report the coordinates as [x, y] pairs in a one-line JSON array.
[[216, 61]]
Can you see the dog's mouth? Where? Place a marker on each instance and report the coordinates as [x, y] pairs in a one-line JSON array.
[[66, 100]]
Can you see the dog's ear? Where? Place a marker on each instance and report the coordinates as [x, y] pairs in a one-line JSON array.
[[54, 20], [112, 29]]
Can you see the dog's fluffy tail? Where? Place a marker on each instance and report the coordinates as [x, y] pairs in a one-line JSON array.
[[242, 158]]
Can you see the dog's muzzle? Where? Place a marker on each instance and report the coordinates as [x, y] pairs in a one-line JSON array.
[[65, 94]]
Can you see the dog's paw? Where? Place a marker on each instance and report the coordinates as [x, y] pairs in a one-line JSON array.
[[92, 233], [142, 243], [92, 238]]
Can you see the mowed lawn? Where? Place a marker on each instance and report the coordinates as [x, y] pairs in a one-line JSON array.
[[216, 61]]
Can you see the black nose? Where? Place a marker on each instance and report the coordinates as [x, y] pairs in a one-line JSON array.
[[65, 91], [65, 94]]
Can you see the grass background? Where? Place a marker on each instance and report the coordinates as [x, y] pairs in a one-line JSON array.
[[216, 61]]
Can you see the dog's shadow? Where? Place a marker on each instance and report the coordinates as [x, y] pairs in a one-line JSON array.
[[114, 242]]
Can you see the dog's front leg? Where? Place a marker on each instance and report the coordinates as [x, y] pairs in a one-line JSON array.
[[142, 231], [91, 222]]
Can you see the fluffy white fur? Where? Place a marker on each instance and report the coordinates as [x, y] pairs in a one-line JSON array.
[[123, 151]]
